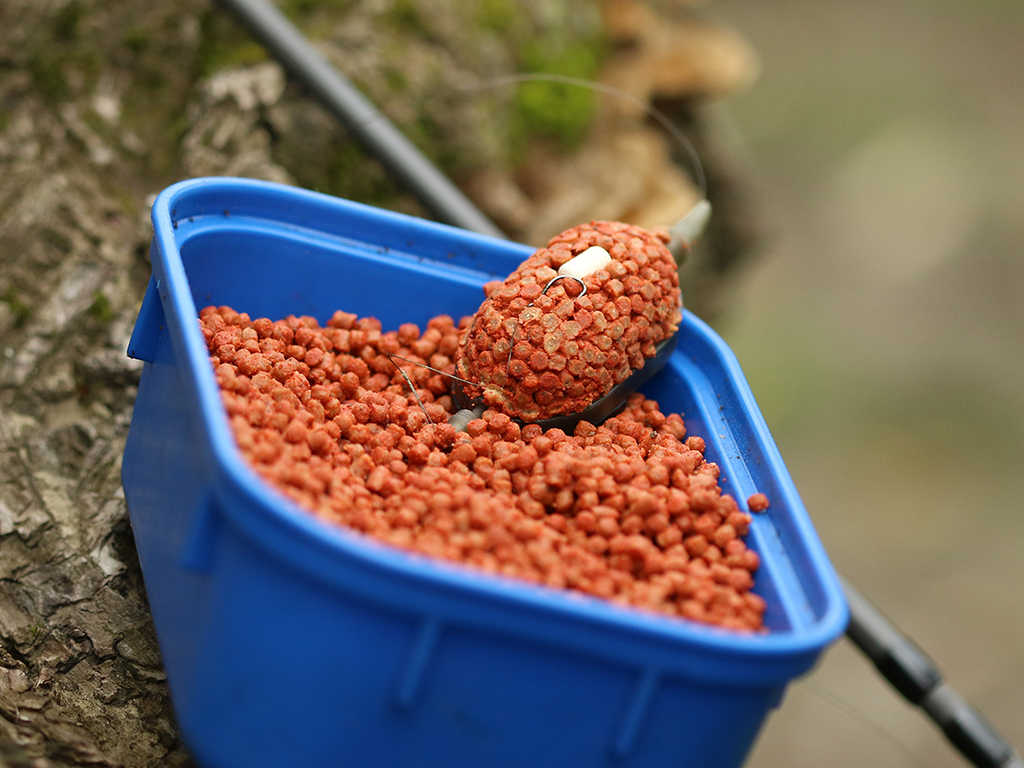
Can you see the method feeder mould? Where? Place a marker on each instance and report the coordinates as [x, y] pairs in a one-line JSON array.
[[578, 326]]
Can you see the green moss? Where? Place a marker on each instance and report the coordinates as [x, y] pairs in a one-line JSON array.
[[100, 309], [100, 126], [67, 20], [317, 18], [404, 17], [299, 7], [19, 309], [497, 15], [227, 56], [163, 152], [60, 53], [52, 236], [345, 170], [137, 40], [163, 121], [395, 78], [224, 44], [557, 111], [89, 62], [354, 176], [35, 631], [47, 69], [296, 8], [154, 106], [128, 203]]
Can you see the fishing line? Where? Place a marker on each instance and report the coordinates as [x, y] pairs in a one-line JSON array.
[[653, 112], [412, 387], [409, 382], [863, 720], [663, 120], [435, 370]]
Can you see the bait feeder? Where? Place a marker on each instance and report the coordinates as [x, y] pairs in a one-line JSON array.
[[602, 408], [291, 642]]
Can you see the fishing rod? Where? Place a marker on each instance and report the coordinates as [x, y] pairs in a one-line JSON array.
[[896, 657], [917, 678]]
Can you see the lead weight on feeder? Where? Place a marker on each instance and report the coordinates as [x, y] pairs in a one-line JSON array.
[[460, 420]]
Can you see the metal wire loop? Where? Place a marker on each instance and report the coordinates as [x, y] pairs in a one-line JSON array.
[[556, 278]]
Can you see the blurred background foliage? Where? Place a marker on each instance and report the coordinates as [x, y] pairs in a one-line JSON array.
[[882, 332]]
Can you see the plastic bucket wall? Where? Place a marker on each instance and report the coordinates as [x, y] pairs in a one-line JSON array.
[[289, 642]]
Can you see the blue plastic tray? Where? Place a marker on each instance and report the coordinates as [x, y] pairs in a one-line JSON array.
[[290, 642]]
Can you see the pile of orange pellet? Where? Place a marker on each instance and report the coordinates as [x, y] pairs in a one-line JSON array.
[[535, 355], [629, 511]]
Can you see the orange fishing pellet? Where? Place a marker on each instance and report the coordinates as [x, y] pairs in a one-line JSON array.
[[626, 511], [757, 502]]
